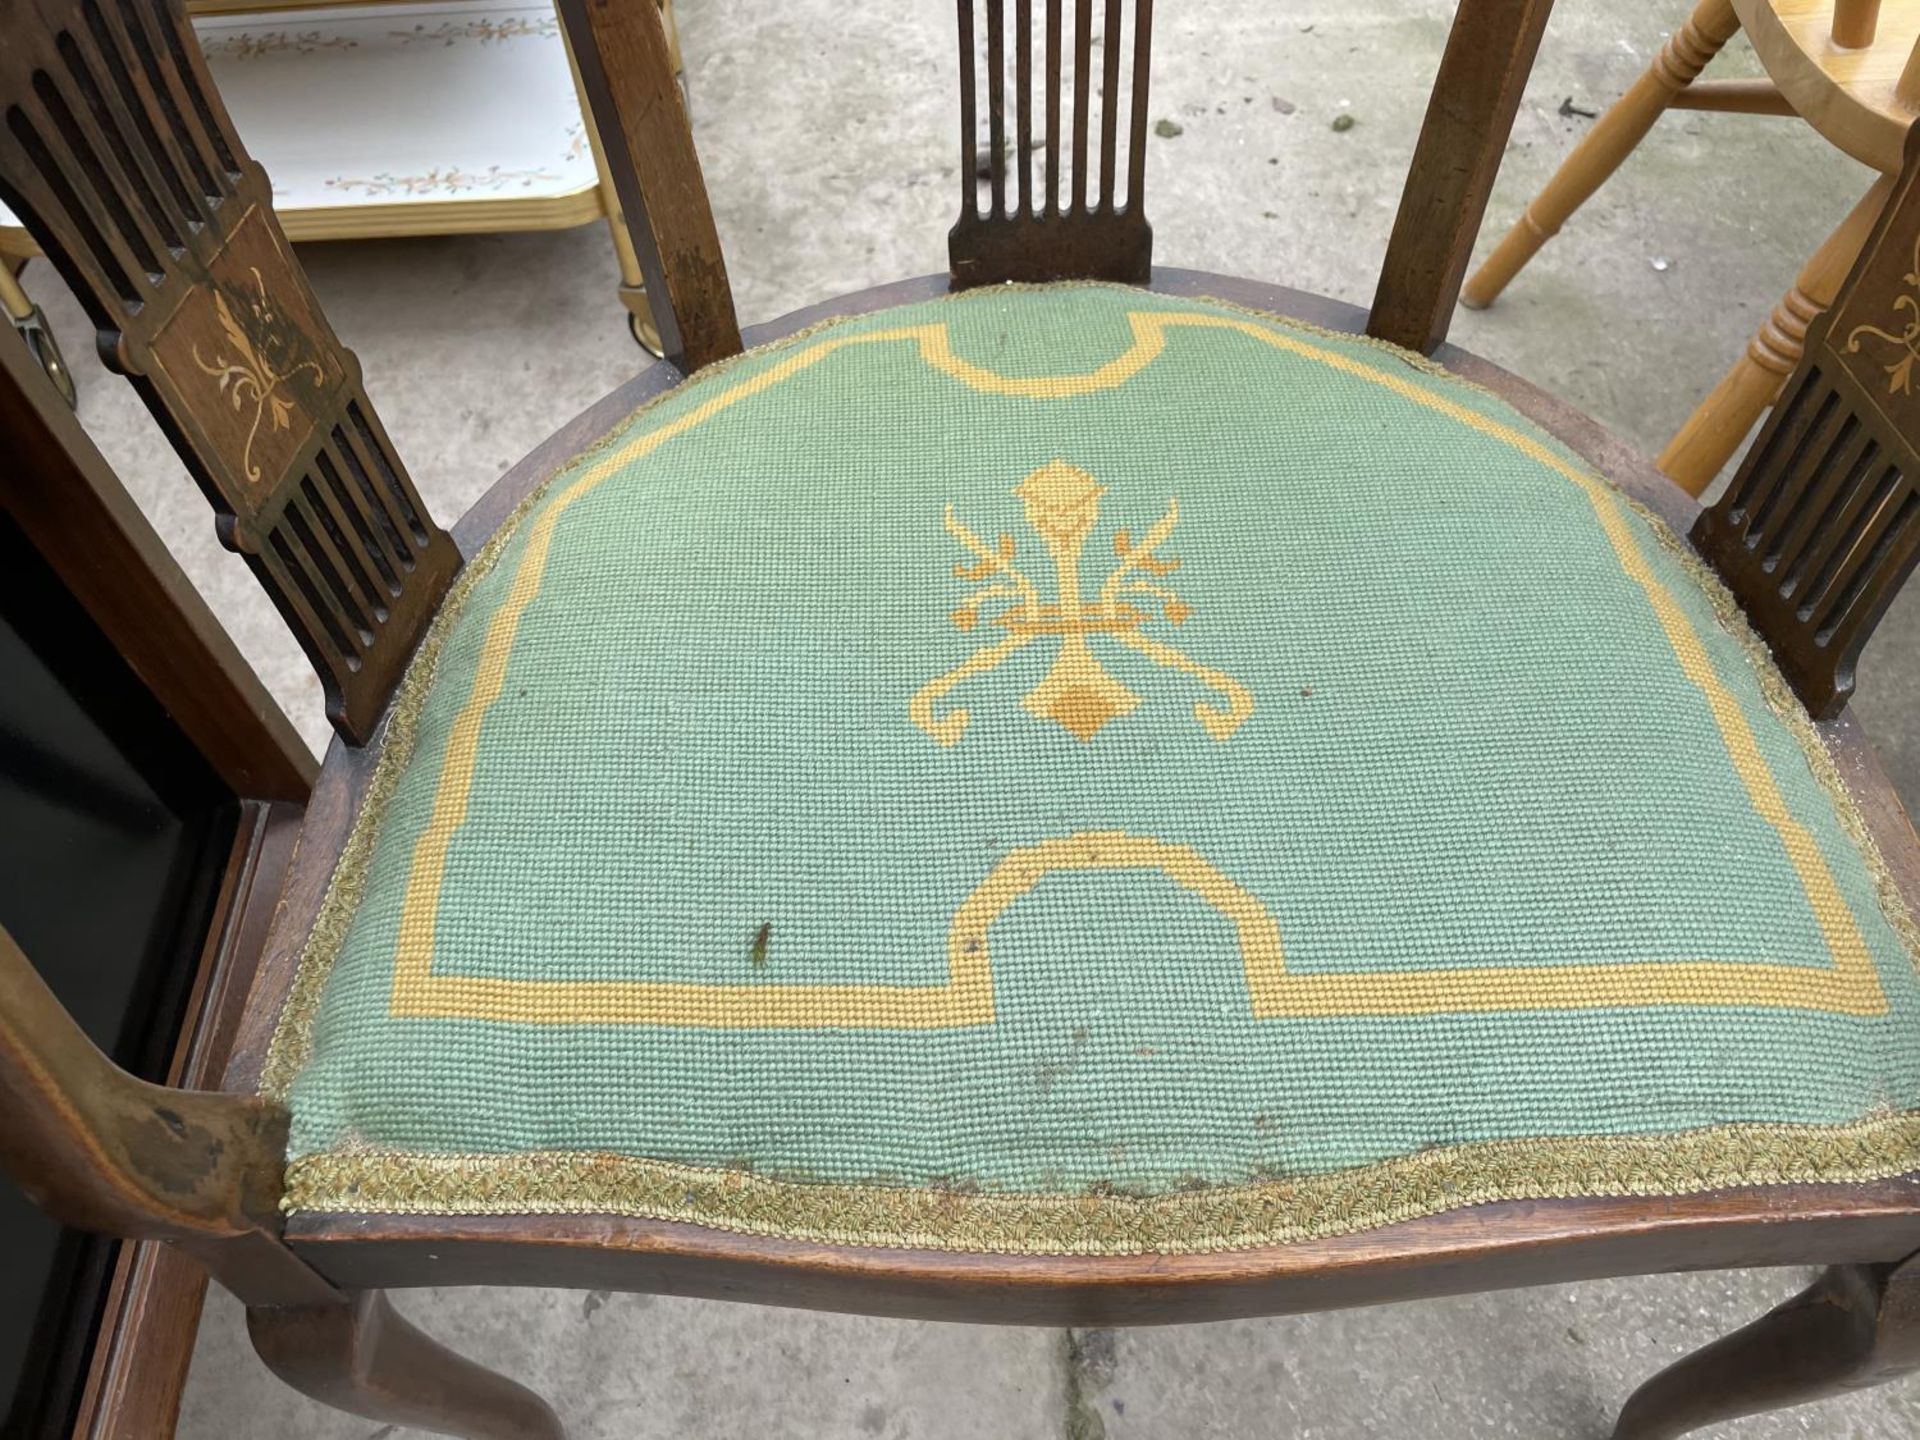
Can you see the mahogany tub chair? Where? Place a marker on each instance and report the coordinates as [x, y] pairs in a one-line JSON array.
[[1145, 799]]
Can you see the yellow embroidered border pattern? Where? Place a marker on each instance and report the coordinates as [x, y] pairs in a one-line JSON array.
[[1196, 1221], [1849, 987], [1182, 1222]]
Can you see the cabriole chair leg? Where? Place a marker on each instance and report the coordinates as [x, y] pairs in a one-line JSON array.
[[1855, 1327], [363, 1357]]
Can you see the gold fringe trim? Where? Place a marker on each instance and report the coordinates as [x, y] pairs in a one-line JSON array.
[[1180, 1222], [1185, 1221]]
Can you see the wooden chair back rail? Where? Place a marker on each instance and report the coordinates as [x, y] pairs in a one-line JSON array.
[[104, 1151], [123, 164], [625, 64], [1821, 524], [1470, 111], [98, 1149], [1104, 240]]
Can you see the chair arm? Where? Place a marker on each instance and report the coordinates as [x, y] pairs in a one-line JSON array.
[[99, 1149]]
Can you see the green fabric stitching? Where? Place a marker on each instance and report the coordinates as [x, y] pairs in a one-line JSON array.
[[342, 1179]]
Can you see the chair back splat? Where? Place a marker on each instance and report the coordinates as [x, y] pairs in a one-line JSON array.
[[1821, 524], [121, 160], [1063, 233], [1071, 222]]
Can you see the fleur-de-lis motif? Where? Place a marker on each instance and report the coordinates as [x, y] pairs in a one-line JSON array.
[[1900, 372], [1062, 505], [251, 379]]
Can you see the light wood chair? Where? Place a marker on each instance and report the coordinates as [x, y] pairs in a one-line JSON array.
[[1850, 69], [163, 224]]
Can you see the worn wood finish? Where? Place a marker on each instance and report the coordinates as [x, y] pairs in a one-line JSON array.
[[1602, 149], [1469, 116], [1821, 525], [1034, 238], [73, 508], [1858, 1325], [146, 1332], [124, 167], [363, 1357], [626, 72], [100, 1150]]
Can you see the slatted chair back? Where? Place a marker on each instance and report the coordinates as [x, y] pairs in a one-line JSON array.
[[1054, 209], [121, 160], [1077, 222], [1821, 524], [1068, 217]]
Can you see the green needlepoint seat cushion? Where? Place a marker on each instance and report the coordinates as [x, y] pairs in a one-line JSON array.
[[1075, 770]]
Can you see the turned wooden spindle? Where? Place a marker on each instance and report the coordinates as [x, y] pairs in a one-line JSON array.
[[1854, 22], [1611, 140], [1907, 89], [1705, 443]]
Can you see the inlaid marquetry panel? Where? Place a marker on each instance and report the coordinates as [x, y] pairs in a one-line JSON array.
[[123, 164]]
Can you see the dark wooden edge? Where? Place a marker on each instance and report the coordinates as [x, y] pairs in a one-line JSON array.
[[1484, 1247], [77, 514], [1470, 111], [627, 79], [1488, 1247], [145, 1342]]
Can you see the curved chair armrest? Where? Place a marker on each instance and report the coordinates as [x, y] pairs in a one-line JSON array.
[[100, 1150]]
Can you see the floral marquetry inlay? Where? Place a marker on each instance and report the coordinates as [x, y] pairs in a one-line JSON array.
[[249, 357], [243, 371], [1906, 304]]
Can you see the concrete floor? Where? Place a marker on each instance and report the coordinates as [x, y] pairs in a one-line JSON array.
[[826, 130]]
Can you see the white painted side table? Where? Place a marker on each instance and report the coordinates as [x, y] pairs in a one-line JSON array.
[[384, 119]]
